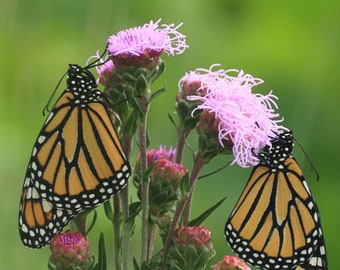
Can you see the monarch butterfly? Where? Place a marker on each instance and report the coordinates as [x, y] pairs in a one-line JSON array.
[[77, 161], [275, 223]]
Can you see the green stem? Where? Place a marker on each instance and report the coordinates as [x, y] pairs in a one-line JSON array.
[[116, 231], [127, 146], [180, 145], [182, 206], [151, 239], [142, 130], [126, 227], [80, 223], [196, 169]]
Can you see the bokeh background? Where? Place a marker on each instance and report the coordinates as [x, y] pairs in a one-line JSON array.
[[292, 45]]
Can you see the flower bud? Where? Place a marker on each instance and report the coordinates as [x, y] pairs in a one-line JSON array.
[[231, 263], [166, 170], [70, 251], [198, 237], [192, 248], [208, 136], [155, 154], [164, 182]]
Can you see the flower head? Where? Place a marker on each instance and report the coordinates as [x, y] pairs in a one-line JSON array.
[[162, 152], [198, 237], [248, 121], [192, 248], [149, 39], [70, 250], [231, 263], [196, 82], [167, 170], [143, 45]]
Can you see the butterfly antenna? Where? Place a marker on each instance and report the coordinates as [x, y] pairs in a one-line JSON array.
[[309, 160], [46, 109], [95, 62]]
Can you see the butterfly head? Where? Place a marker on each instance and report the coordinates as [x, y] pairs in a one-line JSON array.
[[281, 148], [80, 79]]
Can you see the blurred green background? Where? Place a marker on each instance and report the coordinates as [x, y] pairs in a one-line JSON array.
[[292, 45]]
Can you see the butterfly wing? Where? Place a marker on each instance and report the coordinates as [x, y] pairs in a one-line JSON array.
[[275, 223], [39, 220], [78, 161]]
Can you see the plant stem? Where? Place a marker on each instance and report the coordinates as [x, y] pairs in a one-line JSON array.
[[151, 239], [116, 231], [144, 105], [180, 145], [182, 206], [126, 227], [127, 146], [196, 169]]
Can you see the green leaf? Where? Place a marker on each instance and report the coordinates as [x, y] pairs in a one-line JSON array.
[[172, 120], [158, 92], [108, 210], [184, 185], [101, 264], [140, 86], [197, 221], [158, 72], [135, 264], [94, 219]]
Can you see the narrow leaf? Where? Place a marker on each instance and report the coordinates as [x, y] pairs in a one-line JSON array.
[[108, 210], [135, 264], [101, 264], [197, 221], [94, 219]]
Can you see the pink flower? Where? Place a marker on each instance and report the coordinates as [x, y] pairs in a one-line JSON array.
[[155, 154], [146, 43], [231, 263], [160, 153], [149, 39], [248, 121], [70, 250], [167, 170], [198, 236]]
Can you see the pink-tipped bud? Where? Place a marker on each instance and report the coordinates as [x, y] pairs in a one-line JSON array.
[[70, 250], [231, 263]]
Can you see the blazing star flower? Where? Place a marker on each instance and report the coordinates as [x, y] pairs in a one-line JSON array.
[[149, 39], [70, 250], [247, 120], [162, 152], [195, 82], [231, 263], [167, 170], [199, 236], [191, 249], [155, 154], [165, 178]]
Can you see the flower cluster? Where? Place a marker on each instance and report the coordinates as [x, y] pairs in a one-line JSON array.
[[192, 248], [231, 263], [70, 250], [149, 39], [198, 237], [165, 176], [247, 121]]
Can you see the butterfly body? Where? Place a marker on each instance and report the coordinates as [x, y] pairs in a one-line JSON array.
[[275, 223], [77, 161]]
